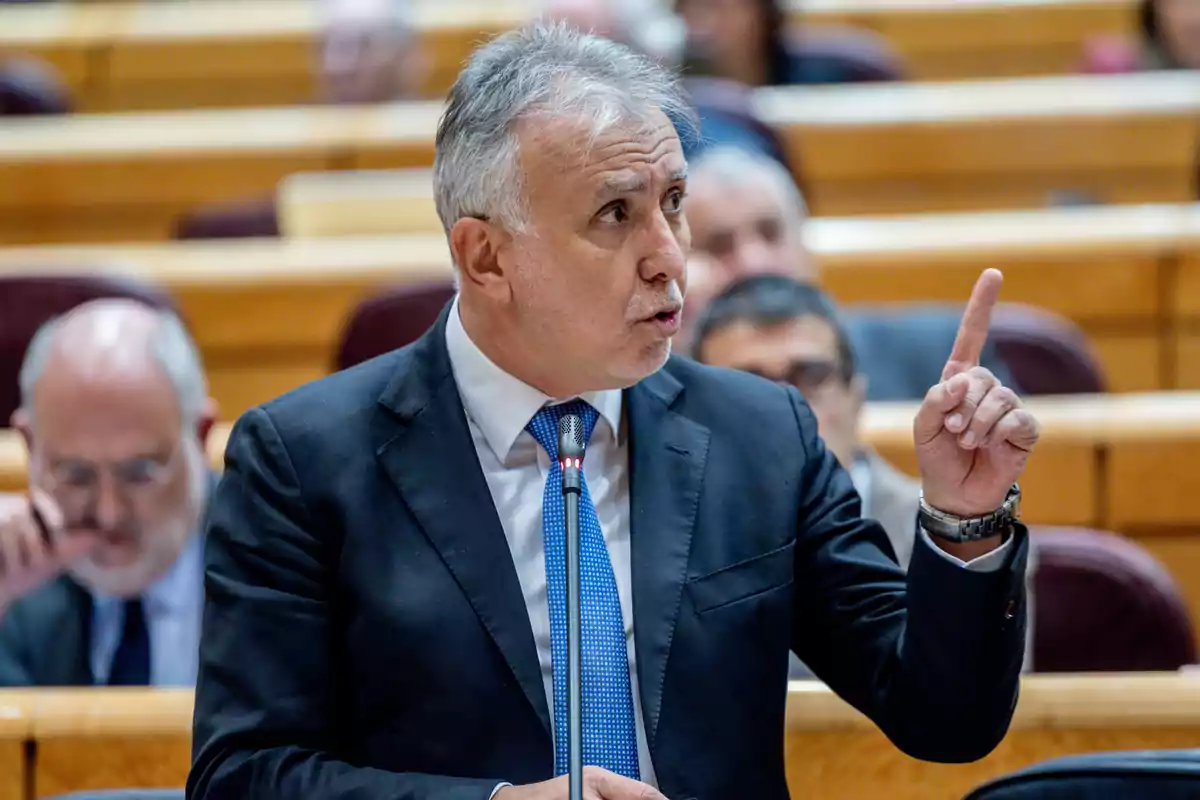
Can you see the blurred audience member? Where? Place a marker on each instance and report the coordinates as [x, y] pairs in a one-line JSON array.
[[370, 52], [1170, 39], [747, 218], [101, 574], [644, 26], [789, 331], [30, 87], [750, 41]]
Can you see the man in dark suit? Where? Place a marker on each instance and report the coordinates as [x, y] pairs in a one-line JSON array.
[[101, 565], [748, 218], [385, 609]]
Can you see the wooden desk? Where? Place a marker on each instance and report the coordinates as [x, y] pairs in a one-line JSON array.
[[14, 732], [125, 56], [833, 752], [1109, 269], [91, 739], [141, 737], [897, 149], [888, 149]]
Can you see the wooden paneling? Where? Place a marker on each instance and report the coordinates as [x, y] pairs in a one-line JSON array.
[[14, 732], [833, 752], [124, 56], [1003, 144], [862, 149], [1110, 270]]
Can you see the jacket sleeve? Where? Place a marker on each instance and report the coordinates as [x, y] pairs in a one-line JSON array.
[[266, 695], [14, 671], [934, 656]]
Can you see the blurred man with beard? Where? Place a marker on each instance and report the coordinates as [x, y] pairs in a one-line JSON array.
[[101, 565]]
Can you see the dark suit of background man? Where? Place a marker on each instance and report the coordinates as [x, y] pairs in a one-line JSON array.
[[115, 413], [384, 613]]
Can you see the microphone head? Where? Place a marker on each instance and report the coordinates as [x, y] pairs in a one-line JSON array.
[[570, 437]]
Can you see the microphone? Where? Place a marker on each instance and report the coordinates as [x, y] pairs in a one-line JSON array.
[[570, 458]]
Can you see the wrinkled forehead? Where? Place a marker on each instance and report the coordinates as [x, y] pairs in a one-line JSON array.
[[628, 153]]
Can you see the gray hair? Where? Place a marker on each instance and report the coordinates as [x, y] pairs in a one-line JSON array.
[[171, 347], [735, 166], [542, 68]]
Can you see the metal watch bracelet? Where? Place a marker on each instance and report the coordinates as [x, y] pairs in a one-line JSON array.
[[954, 528]]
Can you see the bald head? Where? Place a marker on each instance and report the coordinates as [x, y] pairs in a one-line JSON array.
[[115, 415], [115, 345]]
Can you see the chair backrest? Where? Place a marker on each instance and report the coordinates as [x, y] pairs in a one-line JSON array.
[[243, 219], [125, 794], [31, 88], [1104, 603], [391, 320], [727, 117], [1157, 774], [26, 302], [1044, 352]]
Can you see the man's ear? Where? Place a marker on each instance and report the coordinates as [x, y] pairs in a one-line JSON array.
[[22, 422], [205, 422], [476, 245]]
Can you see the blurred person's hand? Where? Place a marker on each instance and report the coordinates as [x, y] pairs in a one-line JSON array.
[[35, 545]]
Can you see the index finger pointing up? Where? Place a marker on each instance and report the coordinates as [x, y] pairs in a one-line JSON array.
[[973, 330]]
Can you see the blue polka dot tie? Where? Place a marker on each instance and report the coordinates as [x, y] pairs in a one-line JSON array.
[[609, 732]]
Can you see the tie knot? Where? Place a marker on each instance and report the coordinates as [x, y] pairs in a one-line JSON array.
[[544, 425]]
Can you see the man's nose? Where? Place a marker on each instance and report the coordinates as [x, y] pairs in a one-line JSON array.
[[665, 259], [108, 504]]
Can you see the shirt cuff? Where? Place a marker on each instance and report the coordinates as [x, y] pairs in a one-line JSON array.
[[496, 791], [988, 562]]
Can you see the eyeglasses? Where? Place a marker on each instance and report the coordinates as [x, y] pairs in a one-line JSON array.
[[807, 376], [77, 482]]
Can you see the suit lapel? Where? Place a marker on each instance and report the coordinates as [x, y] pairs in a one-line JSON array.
[[425, 447], [667, 457]]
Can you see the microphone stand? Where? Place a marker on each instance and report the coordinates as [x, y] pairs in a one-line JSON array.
[[570, 453]]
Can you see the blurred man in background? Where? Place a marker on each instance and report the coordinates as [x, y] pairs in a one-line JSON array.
[[101, 566], [747, 217], [370, 52], [789, 331]]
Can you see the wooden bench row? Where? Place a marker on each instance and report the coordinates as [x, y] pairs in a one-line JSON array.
[[268, 314], [1115, 462], [883, 149], [56, 741], [151, 56]]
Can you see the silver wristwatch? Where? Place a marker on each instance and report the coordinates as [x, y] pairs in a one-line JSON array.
[[954, 528]]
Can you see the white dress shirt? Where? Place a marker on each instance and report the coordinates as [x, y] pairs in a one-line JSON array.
[[174, 606], [498, 407]]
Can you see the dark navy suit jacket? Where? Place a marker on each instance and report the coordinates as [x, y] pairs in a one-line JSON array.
[[365, 634]]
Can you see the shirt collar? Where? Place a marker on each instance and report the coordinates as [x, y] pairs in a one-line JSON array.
[[501, 405]]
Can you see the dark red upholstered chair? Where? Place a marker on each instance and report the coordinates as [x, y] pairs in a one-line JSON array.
[[1103, 603], [1044, 352], [391, 320], [245, 219], [26, 302], [29, 87]]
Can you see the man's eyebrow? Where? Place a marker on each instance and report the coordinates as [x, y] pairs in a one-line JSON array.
[[631, 184]]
